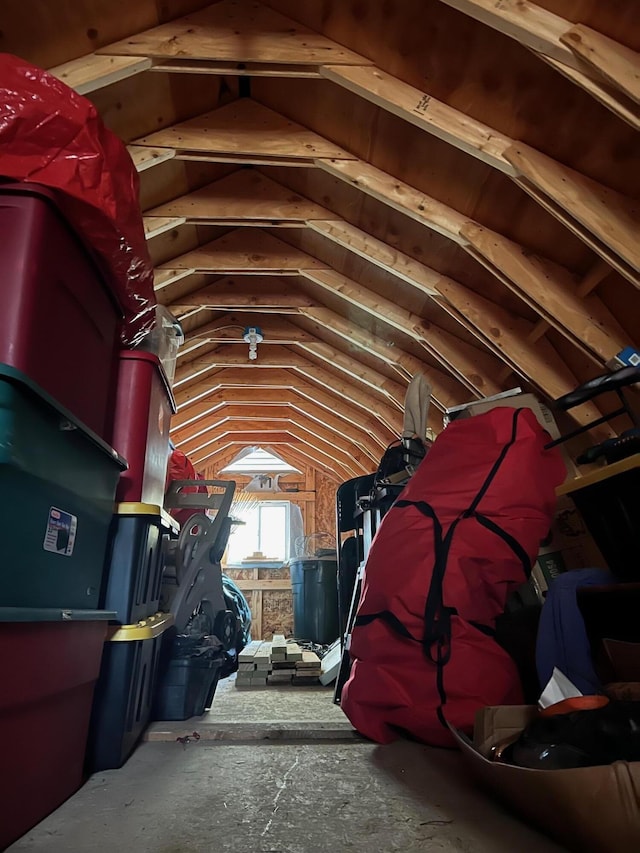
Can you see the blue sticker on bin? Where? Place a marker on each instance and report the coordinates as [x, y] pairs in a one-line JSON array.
[[61, 532]]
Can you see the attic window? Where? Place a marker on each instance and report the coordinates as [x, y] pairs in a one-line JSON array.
[[256, 460]]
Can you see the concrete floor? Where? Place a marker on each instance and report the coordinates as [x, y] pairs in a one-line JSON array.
[[320, 789]]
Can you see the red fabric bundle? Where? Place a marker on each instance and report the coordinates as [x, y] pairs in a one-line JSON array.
[[462, 535], [181, 468]]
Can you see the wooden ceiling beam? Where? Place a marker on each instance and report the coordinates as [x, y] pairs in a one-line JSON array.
[[290, 436], [145, 157], [233, 68], [444, 386], [318, 404], [459, 358], [93, 71], [254, 251], [221, 296], [322, 382], [280, 356], [245, 195], [286, 408], [597, 215], [445, 221], [619, 65], [226, 451], [607, 221], [243, 131], [551, 291], [550, 37], [425, 112], [156, 225], [322, 438], [537, 360]]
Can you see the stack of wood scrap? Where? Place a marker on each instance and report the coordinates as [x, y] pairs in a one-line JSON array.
[[254, 664], [308, 669], [284, 657], [277, 662]]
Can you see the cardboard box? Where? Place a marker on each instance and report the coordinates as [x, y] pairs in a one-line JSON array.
[[589, 809], [570, 544]]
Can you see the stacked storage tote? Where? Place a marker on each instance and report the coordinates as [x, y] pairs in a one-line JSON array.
[[135, 561], [59, 326]]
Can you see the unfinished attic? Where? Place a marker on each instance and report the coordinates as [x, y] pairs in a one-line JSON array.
[[320, 425]]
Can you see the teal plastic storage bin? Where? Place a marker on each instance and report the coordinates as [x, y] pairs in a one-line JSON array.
[[57, 488], [314, 583]]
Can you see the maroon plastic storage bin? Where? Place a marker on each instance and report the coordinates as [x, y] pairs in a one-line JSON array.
[[59, 323], [144, 405], [49, 665]]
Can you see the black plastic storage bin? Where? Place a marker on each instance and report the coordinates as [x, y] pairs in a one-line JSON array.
[[134, 566], [125, 691], [187, 687], [314, 584]]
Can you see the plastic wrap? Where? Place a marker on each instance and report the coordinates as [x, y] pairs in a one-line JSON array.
[[52, 136]]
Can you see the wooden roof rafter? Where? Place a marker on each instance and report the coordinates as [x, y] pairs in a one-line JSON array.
[[316, 384], [288, 407], [324, 454], [602, 67], [317, 435], [352, 421]]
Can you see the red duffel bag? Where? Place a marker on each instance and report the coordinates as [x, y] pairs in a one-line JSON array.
[[460, 538]]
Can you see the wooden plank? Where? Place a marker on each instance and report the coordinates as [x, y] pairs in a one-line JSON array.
[[311, 432], [398, 195], [545, 33], [250, 585], [279, 356], [607, 95], [286, 298], [550, 291], [449, 350], [425, 112], [285, 495], [256, 613], [245, 195], [538, 361], [345, 437], [235, 69], [278, 433], [237, 31], [528, 23], [350, 420], [145, 157], [156, 225], [381, 254], [163, 277], [613, 219], [619, 65], [255, 251], [244, 127], [329, 386], [92, 71], [444, 386]]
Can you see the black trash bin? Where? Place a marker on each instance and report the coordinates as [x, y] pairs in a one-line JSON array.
[[315, 599]]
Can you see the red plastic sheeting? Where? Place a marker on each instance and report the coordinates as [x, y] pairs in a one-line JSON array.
[[52, 136]]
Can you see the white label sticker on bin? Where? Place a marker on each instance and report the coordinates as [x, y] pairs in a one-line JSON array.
[[61, 532]]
